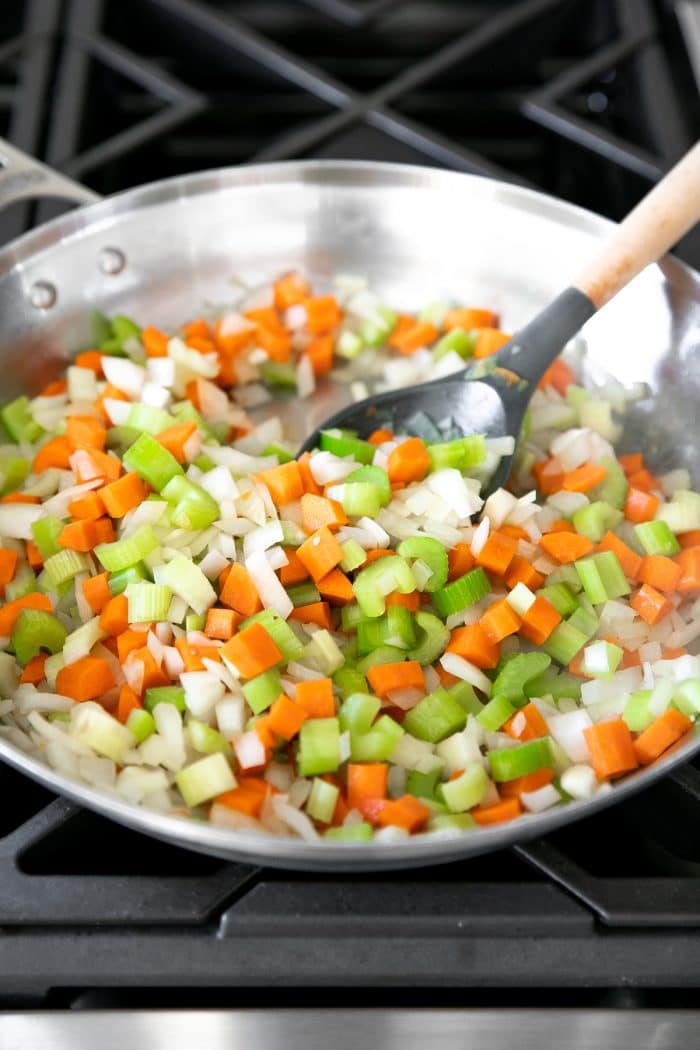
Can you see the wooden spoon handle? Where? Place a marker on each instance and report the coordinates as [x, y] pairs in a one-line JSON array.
[[651, 229]]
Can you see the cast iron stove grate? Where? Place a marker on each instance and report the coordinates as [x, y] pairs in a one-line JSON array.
[[587, 99]]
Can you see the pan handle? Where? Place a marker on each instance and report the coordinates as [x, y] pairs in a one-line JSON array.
[[22, 178]]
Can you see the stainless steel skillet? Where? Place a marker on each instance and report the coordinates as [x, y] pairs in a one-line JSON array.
[[159, 251]]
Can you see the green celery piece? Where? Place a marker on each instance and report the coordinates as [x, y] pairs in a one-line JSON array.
[[430, 551], [656, 538], [559, 595], [262, 691], [14, 470], [566, 574], [46, 532], [19, 422], [358, 711], [360, 832], [361, 499], [457, 340], [496, 713], [384, 654], [585, 621], [636, 713], [594, 519], [564, 643], [513, 762], [435, 717], [124, 328], [141, 723], [460, 821], [100, 327], [375, 476], [346, 443], [204, 462], [613, 488], [195, 622], [465, 791], [205, 740], [353, 556], [148, 602], [120, 438], [350, 616], [64, 566], [396, 629], [350, 681], [462, 453], [119, 581], [422, 785], [463, 693], [602, 577], [122, 554], [283, 454], [376, 331], [185, 412], [36, 630], [378, 744], [461, 593], [303, 594], [432, 638], [24, 582], [164, 694], [687, 697], [381, 578], [281, 633], [559, 686], [319, 747], [322, 800], [193, 507], [349, 344], [511, 681], [152, 462], [148, 419]]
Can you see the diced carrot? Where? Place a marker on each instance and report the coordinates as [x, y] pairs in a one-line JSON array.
[[472, 643], [284, 482], [631, 462], [521, 571], [153, 674], [8, 566], [251, 651], [336, 588], [175, 438], [497, 553], [385, 678], [121, 496], [79, 535], [192, 655], [548, 475], [55, 453], [410, 335], [102, 465], [660, 572], [565, 547], [558, 375], [239, 591], [294, 571], [316, 698], [646, 481], [11, 610], [526, 724], [320, 553], [307, 477], [459, 560], [651, 605], [33, 555], [86, 430], [222, 623], [315, 612], [230, 340], [468, 318], [285, 718], [91, 359], [128, 701], [33, 673], [198, 328], [412, 601], [530, 782], [660, 735], [498, 813], [378, 437], [104, 530], [290, 290], [320, 353], [406, 812], [114, 618], [129, 641], [409, 461], [248, 798], [322, 313], [560, 525], [539, 621], [155, 342], [611, 748], [85, 679], [499, 621], [96, 591], [366, 780], [640, 506], [489, 341], [88, 507], [55, 387], [689, 539], [584, 478], [629, 560], [514, 531], [20, 497], [688, 561], [376, 553], [672, 652], [276, 342], [317, 511]]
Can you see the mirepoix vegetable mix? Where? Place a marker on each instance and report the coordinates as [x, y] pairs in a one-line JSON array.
[[352, 645]]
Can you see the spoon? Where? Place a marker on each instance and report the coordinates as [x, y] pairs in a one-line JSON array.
[[494, 404]]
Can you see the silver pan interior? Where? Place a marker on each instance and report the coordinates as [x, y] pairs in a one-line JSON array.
[[418, 235]]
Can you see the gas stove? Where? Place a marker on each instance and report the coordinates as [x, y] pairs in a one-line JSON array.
[[591, 100]]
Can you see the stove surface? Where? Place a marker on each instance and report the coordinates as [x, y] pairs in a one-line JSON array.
[[590, 100]]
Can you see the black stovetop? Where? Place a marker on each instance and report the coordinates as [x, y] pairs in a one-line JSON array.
[[587, 99]]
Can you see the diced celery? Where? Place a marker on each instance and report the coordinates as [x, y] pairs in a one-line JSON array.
[[148, 419], [656, 538], [349, 344], [46, 532], [281, 633], [14, 470], [164, 694], [435, 717], [432, 638], [377, 745], [462, 453], [205, 779], [559, 595], [361, 498], [558, 686], [564, 643], [322, 800], [148, 602], [594, 519], [346, 443], [350, 681], [496, 713], [194, 622], [34, 630], [376, 331], [456, 341], [461, 593], [513, 762], [152, 462], [353, 556], [463, 693], [602, 577], [385, 654], [19, 421], [613, 488], [279, 374], [510, 682], [141, 723], [303, 594], [358, 711], [381, 578], [92, 725], [319, 746], [350, 616], [360, 832], [187, 580], [687, 697], [119, 581], [262, 691], [120, 438], [422, 785], [24, 582], [64, 566], [192, 507], [206, 740], [465, 791], [122, 554], [430, 551], [636, 713], [450, 821], [376, 476]]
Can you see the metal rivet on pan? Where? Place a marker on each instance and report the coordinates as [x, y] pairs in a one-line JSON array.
[[42, 295], [111, 261]]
